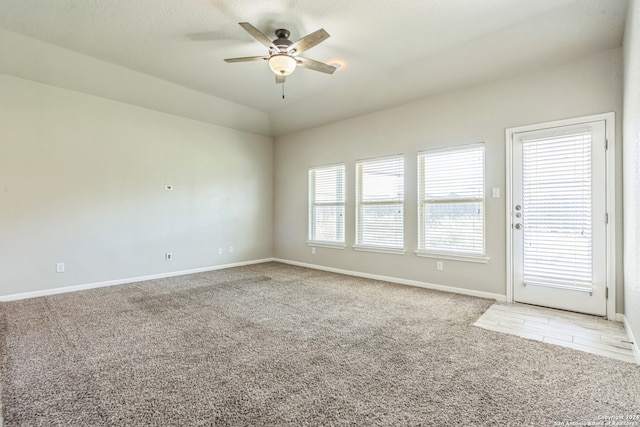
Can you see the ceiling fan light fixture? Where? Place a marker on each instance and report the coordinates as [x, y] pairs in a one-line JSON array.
[[282, 64]]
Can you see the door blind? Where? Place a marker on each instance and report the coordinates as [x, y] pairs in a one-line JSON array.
[[557, 211]]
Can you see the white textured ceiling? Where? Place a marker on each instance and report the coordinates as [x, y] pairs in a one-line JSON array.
[[393, 51]]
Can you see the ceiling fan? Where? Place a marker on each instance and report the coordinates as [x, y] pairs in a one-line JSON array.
[[283, 54]]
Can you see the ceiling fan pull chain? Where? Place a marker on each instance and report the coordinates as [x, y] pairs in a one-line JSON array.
[[282, 90]]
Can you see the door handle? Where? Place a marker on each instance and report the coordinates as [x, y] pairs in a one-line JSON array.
[[518, 226]]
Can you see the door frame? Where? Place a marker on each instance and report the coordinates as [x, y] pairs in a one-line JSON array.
[[610, 176]]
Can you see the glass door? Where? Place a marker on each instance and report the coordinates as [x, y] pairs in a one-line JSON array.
[[559, 217]]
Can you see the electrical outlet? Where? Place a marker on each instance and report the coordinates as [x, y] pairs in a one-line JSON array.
[[313, 251], [219, 251], [230, 249], [168, 256], [439, 266], [60, 267]]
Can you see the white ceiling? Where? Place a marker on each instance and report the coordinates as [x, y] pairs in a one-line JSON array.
[[393, 51]]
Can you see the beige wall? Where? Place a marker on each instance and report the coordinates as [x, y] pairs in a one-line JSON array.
[[588, 86], [82, 182], [631, 149]]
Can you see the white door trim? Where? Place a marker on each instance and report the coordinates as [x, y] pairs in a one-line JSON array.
[[610, 123]]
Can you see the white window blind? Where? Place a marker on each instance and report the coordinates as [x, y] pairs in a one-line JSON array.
[[556, 217], [326, 204], [451, 201], [380, 202]]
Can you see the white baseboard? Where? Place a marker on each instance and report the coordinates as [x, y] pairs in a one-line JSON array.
[[54, 291], [66, 289], [480, 294], [636, 347]]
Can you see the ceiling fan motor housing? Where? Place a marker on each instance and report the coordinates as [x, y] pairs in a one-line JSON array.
[[282, 42]]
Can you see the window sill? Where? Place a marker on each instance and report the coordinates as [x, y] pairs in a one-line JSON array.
[[327, 244], [379, 250], [454, 257]]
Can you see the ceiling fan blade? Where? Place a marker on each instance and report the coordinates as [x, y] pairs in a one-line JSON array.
[[315, 65], [280, 79], [247, 59], [309, 41], [258, 35]]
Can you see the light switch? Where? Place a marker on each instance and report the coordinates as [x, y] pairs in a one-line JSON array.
[[495, 193]]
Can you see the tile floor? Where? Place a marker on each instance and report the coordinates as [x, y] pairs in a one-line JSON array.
[[578, 331]]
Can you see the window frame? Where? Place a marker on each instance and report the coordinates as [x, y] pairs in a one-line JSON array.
[[422, 202], [313, 203], [359, 204]]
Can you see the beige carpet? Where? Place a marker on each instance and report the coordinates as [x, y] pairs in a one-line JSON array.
[[273, 344]]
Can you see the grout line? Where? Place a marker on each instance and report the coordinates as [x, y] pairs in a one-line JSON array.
[[605, 347]]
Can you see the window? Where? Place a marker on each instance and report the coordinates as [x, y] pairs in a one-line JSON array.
[[451, 201], [380, 204], [326, 204]]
